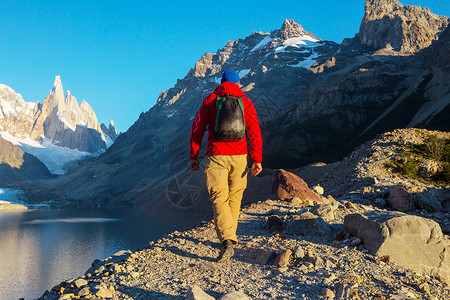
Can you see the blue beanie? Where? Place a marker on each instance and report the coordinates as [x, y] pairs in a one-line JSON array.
[[230, 76]]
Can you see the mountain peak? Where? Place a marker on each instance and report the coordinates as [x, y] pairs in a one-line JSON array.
[[406, 29], [57, 81], [376, 8], [291, 25], [291, 29]]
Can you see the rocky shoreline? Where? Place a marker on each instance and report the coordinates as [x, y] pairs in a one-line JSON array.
[[10, 206], [268, 264]]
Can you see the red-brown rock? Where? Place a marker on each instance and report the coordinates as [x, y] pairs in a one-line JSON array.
[[287, 185]]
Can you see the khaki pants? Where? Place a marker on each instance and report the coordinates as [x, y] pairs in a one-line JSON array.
[[226, 180]]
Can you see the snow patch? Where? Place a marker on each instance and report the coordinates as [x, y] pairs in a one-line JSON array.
[[55, 158], [109, 141], [307, 62], [7, 109], [262, 43], [297, 42], [243, 73]]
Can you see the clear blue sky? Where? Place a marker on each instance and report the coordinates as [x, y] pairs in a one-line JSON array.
[[119, 55]]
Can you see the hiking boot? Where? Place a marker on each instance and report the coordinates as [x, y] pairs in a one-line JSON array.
[[226, 252]]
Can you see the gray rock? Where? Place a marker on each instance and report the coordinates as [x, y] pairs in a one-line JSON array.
[[263, 256], [298, 252], [196, 293], [410, 241], [234, 295], [405, 198], [319, 262], [324, 210], [80, 282], [84, 291], [429, 200], [308, 224], [399, 198], [380, 202], [102, 291]]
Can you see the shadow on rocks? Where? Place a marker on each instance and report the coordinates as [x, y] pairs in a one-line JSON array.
[[175, 249]]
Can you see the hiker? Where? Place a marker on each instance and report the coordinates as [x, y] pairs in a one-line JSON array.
[[231, 118]]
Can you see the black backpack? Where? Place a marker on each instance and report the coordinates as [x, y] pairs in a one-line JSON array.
[[230, 122]]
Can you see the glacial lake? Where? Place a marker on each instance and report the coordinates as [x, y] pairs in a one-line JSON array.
[[39, 248]]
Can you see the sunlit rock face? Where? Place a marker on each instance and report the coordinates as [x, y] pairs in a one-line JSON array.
[[406, 29]]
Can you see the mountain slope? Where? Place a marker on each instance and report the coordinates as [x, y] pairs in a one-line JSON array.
[[316, 100], [16, 164]]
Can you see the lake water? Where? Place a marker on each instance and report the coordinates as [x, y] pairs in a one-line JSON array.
[[40, 248]]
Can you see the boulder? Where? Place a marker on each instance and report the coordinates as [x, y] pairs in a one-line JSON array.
[[234, 295], [308, 224], [406, 197], [287, 185], [399, 198], [196, 293], [410, 241], [324, 210]]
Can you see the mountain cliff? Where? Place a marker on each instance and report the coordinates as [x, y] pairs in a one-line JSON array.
[[67, 130], [316, 100], [406, 29]]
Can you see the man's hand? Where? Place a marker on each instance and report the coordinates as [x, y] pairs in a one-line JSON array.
[[256, 169], [195, 164]]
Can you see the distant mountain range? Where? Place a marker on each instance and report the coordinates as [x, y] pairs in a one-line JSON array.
[[316, 100], [57, 131]]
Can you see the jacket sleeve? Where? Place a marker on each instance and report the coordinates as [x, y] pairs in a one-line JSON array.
[[254, 133], [201, 120]]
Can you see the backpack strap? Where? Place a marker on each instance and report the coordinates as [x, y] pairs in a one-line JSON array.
[[219, 104], [241, 104]]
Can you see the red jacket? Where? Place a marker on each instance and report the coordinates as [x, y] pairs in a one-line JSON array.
[[206, 115]]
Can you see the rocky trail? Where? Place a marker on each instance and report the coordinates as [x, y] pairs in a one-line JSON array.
[[267, 264], [307, 244]]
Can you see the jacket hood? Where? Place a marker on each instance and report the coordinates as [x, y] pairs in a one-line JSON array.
[[229, 88]]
